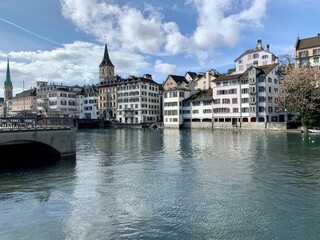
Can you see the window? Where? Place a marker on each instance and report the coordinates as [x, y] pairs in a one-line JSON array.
[[244, 100], [240, 67], [232, 91], [316, 52], [262, 99], [240, 61], [261, 109], [245, 90], [234, 100], [225, 100], [256, 55], [252, 89], [245, 110], [252, 109], [186, 104], [196, 103], [316, 59], [195, 111], [265, 56], [217, 101], [270, 109], [221, 110], [303, 54], [235, 110]]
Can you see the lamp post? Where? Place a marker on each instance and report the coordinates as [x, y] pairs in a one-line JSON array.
[[285, 117]]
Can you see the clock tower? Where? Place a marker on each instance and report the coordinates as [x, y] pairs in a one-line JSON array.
[[106, 68]]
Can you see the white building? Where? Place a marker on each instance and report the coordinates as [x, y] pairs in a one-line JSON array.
[[257, 56], [198, 107], [88, 102], [57, 100], [138, 100], [175, 89], [247, 97]]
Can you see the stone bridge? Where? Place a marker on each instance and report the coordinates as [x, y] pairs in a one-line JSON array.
[[44, 144]]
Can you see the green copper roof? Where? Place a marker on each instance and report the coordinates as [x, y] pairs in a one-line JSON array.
[[8, 82]]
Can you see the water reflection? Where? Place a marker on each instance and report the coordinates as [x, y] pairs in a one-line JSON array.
[[170, 184]]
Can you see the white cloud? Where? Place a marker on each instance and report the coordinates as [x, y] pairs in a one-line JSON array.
[[164, 68], [144, 31], [74, 63], [221, 22], [136, 37]]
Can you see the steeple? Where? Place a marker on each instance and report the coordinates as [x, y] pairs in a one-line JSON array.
[[8, 84], [106, 59]]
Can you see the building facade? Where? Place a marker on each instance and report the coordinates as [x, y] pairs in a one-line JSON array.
[[24, 103], [307, 51], [87, 102], [247, 97], [257, 56], [57, 100], [138, 100], [107, 87]]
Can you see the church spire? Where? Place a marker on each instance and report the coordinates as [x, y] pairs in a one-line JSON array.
[[106, 59], [8, 84]]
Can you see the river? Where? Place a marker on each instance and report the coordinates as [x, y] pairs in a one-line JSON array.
[[169, 184]]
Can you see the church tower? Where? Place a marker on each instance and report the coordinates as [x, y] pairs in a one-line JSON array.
[[106, 68], [7, 85]]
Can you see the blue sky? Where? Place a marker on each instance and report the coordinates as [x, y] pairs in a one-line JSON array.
[[62, 41]]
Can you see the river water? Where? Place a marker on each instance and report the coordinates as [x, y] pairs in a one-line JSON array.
[[169, 184]]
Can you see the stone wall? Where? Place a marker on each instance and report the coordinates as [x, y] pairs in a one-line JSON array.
[[272, 126]]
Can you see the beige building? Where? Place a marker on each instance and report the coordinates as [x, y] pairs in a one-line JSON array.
[[24, 103], [307, 51], [107, 87]]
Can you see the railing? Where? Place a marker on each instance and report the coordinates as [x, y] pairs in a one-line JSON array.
[[24, 123]]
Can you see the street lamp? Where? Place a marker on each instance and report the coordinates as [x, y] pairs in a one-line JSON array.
[[285, 117]]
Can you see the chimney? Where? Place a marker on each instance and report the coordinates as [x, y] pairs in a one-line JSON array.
[[268, 46], [259, 44]]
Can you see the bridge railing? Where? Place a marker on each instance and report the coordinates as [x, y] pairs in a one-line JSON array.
[[25, 123]]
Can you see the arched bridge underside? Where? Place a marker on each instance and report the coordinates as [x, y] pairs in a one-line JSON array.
[[40, 147]]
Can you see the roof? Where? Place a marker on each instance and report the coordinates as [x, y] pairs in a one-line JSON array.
[[8, 82], [27, 93], [192, 74], [106, 59], [308, 42], [202, 95], [227, 77], [179, 79], [263, 70]]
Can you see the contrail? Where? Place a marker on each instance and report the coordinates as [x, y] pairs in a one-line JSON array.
[[28, 31]]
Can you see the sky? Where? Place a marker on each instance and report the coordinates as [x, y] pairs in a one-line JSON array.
[[62, 41]]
